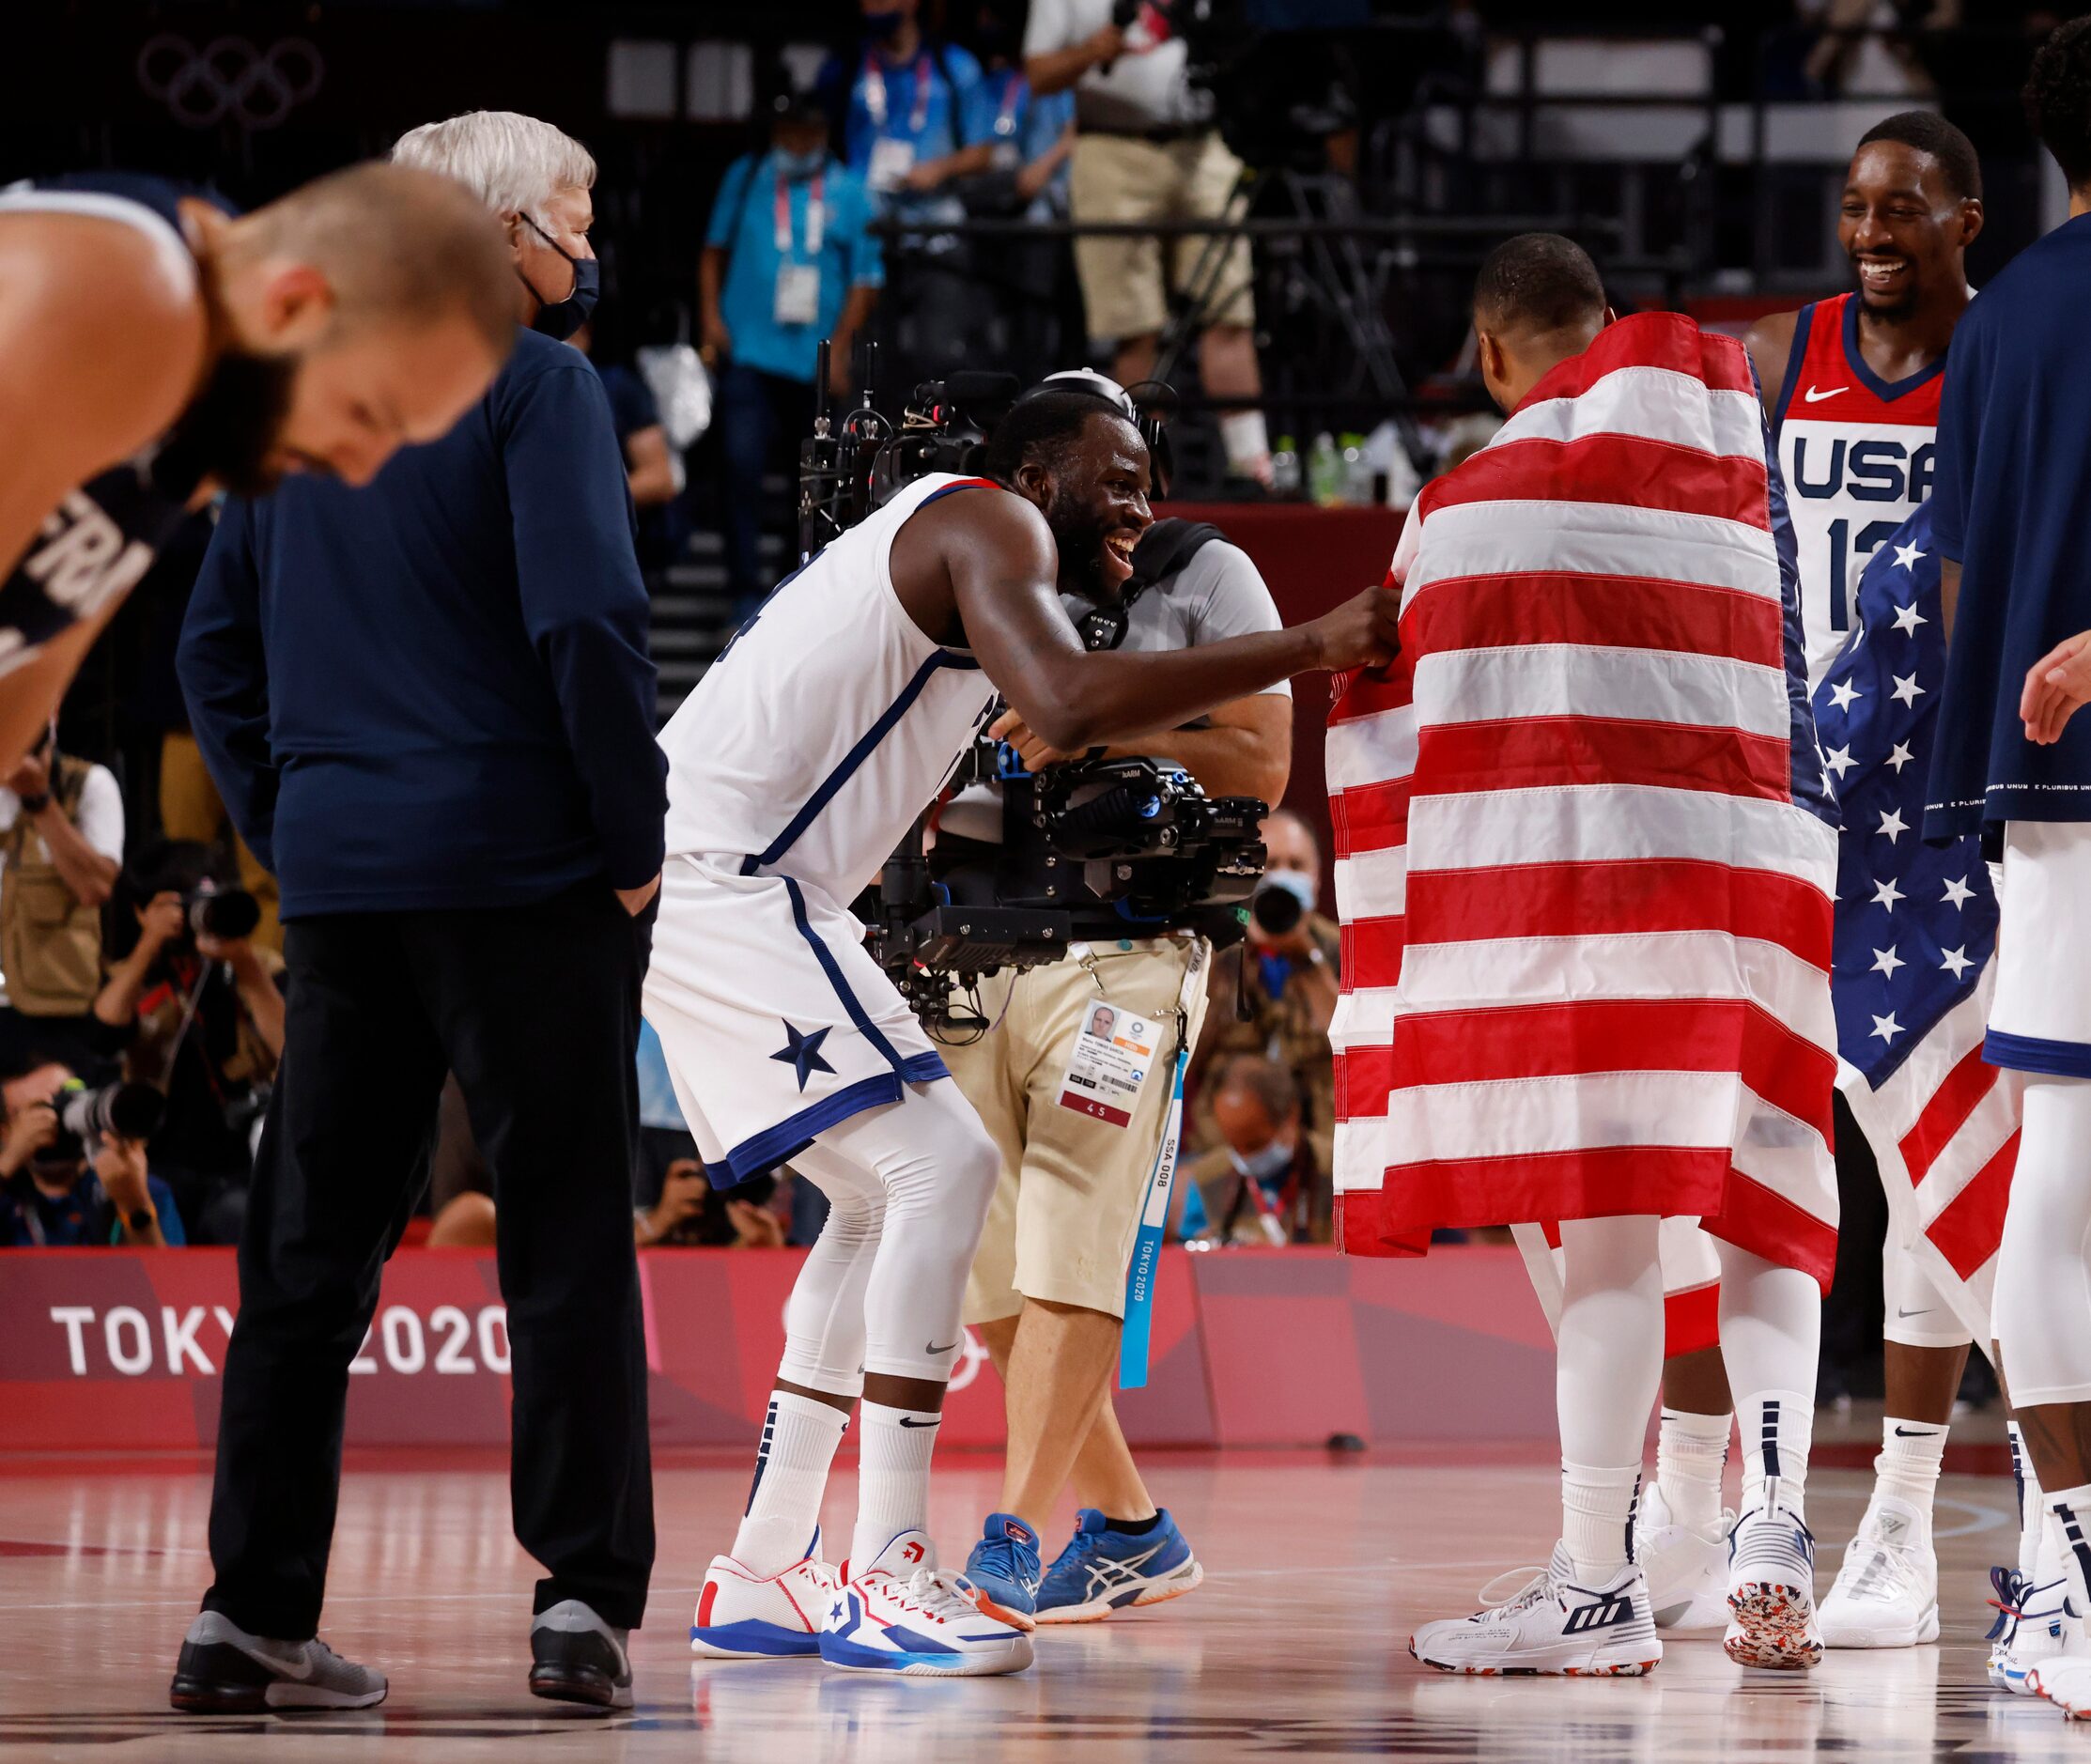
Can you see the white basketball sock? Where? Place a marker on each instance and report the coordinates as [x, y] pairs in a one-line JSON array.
[[2032, 1509], [1691, 1455], [1597, 1519], [1908, 1466], [892, 1478], [799, 1437], [1777, 1427], [2071, 1509]]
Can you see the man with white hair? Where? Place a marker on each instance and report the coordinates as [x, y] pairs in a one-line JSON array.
[[429, 709]]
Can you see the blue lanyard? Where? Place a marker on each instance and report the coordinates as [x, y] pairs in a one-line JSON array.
[[1147, 1247]]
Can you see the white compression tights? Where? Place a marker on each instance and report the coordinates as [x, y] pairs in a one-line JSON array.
[[907, 1187], [1610, 1358], [2043, 1285]]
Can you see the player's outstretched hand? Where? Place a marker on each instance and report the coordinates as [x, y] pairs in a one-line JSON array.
[[1360, 633], [2055, 686]]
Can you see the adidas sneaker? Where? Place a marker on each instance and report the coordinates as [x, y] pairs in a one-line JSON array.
[[1686, 1566], [743, 1615], [2065, 1681], [1553, 1626], [1887, 1594], [1772, 1587], [225, 1671], [904, 1614]]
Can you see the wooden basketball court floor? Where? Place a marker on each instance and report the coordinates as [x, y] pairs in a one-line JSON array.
[[1317, 1568]]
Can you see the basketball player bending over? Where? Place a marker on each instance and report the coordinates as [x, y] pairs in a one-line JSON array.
[[796, 767], [158, 348]]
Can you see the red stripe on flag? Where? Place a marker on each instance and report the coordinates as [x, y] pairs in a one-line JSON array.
[[1550, 752], [1367, 692], [1968, 1233], [1364, 1075], [1604, 1035], [1370, 817], [1630, 897], [1692, 1319], [1947, 1111], [1371, 951], [1620, 471], [1618, 611]]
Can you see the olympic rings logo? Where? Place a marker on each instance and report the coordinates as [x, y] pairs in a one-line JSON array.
[[230, 78]]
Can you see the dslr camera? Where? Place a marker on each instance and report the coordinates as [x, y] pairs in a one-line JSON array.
[[131, 1111], [210, 910]]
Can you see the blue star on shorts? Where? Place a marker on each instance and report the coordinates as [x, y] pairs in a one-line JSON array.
[[803, 1053]]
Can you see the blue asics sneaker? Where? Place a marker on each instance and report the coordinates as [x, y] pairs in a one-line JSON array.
[[1102, 1571], [1003, 1569]]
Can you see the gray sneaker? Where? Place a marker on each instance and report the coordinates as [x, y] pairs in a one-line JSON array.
[[223, 1670], [578, 1658]]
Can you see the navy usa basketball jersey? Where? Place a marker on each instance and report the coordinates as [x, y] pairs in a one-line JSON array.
[[1856, 453]]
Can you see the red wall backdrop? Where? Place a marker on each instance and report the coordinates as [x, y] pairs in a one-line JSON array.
[[1314, 559], [121, 1350]]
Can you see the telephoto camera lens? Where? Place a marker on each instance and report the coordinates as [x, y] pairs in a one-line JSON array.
[[216, 912], [131, 1111], [1277, 910]]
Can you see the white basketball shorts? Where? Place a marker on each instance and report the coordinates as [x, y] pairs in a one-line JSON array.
[[2040, 1017]]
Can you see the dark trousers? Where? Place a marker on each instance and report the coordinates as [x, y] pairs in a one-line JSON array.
[[757, 413], [536, 1010]]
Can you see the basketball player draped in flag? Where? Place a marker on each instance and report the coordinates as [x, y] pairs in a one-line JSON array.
[[1852, 387], [159, 348], [797, 767], [1607, 918]]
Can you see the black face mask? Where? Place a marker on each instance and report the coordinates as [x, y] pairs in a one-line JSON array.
[[560, 320], [882, 27], [230, 427]]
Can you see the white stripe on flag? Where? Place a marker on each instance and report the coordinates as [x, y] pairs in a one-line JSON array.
[[1603, 823], [1653, 403], [1502, 538], [1456, 686], [1371, 750], [1372, 884], [1571, 1112], [1659, 964]]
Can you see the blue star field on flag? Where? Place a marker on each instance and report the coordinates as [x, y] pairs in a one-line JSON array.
[[1914, 922]]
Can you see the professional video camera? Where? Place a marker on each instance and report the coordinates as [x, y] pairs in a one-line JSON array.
[[1092, 852]]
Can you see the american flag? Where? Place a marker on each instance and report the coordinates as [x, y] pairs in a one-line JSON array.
[[1585, 883], [1916, 928]]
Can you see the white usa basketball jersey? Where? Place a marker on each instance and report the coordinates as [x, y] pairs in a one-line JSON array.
[[830, 721], [1855, 452]]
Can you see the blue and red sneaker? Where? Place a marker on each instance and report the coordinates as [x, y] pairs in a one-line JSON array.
[[1102, 1571]]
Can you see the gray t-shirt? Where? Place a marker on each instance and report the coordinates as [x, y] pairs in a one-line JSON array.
[[1146, 87], [1219, 594]]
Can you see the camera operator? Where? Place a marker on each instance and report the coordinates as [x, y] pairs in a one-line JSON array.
[[205, 1018], [1146, 149], [1285, 977], [1048, 1287], [60, 1191], [61, 846]]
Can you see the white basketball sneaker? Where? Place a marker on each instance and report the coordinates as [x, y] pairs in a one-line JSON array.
[[2035, 1626], [1772, 1587], [1887, 1594], [904, 1614], [742, 1616], [1553, 1626], [2065, 1681], [1686, 1566]]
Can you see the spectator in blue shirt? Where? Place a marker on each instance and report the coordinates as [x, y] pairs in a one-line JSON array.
[[906, 108], [789, 259], [72, 1196], [1029, 138]]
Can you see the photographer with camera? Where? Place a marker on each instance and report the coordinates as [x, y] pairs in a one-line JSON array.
[[61, 846], [1284, 981], [204, 1014], [73, 1164], [1147, 149], [1048, 1284]]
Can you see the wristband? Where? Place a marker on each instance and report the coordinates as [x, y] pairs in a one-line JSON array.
[[35, 804], [139, 1220]]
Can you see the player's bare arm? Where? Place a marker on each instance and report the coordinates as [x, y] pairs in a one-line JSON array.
[[999, 558], [1770, 342]]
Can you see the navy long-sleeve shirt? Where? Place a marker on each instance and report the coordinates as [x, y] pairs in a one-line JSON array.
[[435, 691]]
